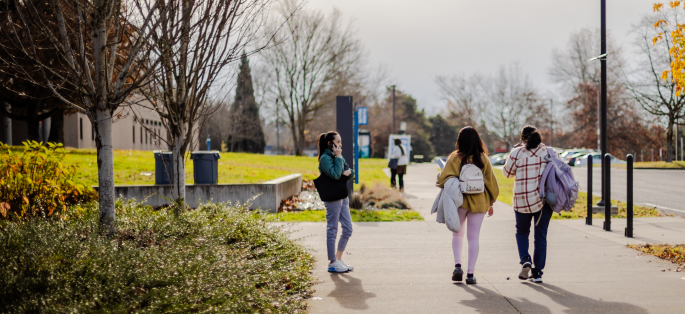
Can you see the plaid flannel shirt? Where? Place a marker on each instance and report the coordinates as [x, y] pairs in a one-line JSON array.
[[527, 166]]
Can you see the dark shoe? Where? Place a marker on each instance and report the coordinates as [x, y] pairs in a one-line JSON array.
[[537, 276], [470, 280], [457, 274], [525, 271]]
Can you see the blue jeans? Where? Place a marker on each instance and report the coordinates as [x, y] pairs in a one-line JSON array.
[[337, 211], [523, 222]]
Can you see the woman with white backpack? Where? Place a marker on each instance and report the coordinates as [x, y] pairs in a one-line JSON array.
[[471, 165]]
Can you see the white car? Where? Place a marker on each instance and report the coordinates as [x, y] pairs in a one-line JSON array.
[[498, 159], [596, 160], [566, 156]]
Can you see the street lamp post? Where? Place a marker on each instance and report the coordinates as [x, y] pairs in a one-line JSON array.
[[393, 110], [603, 83]]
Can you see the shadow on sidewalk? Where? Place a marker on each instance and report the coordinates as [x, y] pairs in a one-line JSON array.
[[349, 292], [581, 304], [484, 301]]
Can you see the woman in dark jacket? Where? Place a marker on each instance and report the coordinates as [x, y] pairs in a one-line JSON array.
[[333, 165]]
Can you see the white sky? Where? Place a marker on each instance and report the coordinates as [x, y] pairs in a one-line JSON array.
[[417, 40]]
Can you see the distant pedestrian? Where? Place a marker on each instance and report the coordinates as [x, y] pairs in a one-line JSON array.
[[333, 165], [470, 150], [400, 159], [527, 162]]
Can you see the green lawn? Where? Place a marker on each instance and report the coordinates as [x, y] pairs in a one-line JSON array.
[[579, 210], [655, 164], [357, 215], [134, 167]]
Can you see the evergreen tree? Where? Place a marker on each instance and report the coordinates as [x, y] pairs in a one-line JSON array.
[[443, 136], [246, 134]]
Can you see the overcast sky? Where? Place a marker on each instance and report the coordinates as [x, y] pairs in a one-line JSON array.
[[417, 40]]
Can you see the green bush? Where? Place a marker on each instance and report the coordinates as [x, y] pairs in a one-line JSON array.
[[35, 183], [216, 258]]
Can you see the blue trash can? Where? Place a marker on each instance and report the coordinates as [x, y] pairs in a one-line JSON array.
[[164, 169], [205, 167]]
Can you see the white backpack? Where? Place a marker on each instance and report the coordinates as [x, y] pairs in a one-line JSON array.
[[471, 179]]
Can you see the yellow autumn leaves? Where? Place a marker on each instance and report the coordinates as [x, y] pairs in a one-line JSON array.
[[676, 73]]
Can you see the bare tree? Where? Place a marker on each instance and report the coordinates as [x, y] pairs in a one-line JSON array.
[[313, 51], [101, 56], [512, 103], [464, 97], [654, 92], [196, 42]]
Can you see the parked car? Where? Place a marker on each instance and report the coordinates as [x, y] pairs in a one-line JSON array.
[[596, 160], [498, 159], [571, 160], [566, 156]]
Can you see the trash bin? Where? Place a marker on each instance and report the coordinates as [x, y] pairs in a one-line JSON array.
[[164, 170], [205, 167]]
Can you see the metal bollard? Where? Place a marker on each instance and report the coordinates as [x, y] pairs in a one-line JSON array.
[[607, 193], [588, 219], [629, 203]]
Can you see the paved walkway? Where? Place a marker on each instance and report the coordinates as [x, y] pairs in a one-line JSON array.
[[405, 267]]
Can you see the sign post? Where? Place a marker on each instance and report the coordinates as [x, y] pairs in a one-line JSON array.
[[356, 146]]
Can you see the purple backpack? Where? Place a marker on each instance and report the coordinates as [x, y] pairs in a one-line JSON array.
[[558, 188]]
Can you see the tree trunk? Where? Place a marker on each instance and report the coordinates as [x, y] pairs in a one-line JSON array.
[[294, 133], [32, 123], [179, 192], [103, 142], [57, 127], [669, 140]]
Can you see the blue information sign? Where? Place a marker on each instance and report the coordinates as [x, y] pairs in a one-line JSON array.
[[363, 115]]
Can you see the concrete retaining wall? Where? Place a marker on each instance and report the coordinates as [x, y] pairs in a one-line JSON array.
[[273, 192]]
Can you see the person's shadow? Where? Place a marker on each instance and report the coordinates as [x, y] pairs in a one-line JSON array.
[[581, 304], [349, 292], [483, 301]]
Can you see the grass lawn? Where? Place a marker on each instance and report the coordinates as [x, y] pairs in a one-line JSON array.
[[357, 215], [579, 210], [655, 164], [135, 167]]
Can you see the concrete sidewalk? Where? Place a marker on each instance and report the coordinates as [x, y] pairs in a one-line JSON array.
[[405, 267]]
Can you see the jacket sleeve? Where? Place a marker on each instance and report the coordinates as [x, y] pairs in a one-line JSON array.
[[509, 169], [491, 185], [396, 153], [332, 167], [451, 170]]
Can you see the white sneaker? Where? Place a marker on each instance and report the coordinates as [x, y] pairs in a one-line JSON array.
[[337, 267], [345, 264]]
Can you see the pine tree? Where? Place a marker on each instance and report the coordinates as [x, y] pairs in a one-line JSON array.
[[246, 134]]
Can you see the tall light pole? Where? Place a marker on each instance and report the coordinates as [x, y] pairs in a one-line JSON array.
[[278, 133], [393, 110], [603, 90], [551, 112]]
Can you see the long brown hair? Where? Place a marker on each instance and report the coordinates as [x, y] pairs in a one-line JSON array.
[[324, 140], [469, 144], [398, 142]]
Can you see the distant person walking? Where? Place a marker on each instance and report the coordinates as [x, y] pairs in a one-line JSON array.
[[527, 162], [399, 160], [470, 150], [333, 165]]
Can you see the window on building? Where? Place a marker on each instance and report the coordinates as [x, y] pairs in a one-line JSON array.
[[134, 134], [146, 136], [80, 128], [141, 135]]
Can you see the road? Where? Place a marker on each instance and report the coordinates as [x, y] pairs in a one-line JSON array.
[[664, 189]]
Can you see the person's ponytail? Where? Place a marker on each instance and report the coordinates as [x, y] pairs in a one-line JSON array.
[[531, 137], [324, 139]]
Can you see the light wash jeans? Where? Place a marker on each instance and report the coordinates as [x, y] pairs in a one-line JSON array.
[[337, 211]]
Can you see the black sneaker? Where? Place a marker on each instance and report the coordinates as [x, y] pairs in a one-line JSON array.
[[525, 271], [537, 276], [470, 280], [457, 274]]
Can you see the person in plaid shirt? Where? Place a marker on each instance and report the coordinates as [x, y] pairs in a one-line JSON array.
[[526, 162]]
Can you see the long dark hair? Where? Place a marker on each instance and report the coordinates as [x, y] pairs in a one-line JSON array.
[[324, 140], [469, 144], [399, 143], [531, 137]]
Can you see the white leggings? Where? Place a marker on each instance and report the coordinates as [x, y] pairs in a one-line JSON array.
[[474, 222]]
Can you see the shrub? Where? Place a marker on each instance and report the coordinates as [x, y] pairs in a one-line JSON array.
[[216, 258], [383, 197], [35, 183]]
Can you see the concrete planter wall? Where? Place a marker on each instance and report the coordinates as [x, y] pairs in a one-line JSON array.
[[273, 192]]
